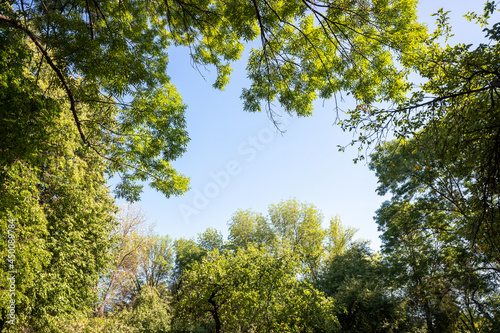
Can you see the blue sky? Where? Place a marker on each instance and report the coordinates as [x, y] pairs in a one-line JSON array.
[[237, 160]]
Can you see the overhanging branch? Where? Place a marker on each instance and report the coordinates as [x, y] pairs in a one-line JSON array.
[[442, 98], [52, 65]]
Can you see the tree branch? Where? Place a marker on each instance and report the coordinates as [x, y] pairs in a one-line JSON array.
[[51, 63], [439, 99]]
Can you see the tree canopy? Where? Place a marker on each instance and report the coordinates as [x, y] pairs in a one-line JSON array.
[[110, 61], [253, 290], [54, 204], [440, 228], [457, 91]]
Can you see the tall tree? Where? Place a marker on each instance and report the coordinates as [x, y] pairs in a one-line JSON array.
[[55, 203], [150, 312], [298, 226], [187, 252], [339, 238], [430, 245], [249, 228], [140, 259], [440, 228], [210, 240], [116, 282], [290, 224], [356, 280]]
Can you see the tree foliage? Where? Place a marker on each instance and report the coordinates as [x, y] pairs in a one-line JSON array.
[[252, 290], [85, 92], [356, 280], [290, 224], [339, 237], [431, 236], [440, 228], [140, 259], [458, 92], [249, 228], [110, 61], [54, 193]]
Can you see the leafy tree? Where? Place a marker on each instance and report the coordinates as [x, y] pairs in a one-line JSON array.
[[252, 290], [210, 240], [92, 59], [289, 225], [437, 271], [156, 262], [116, 283], [247, 228], [142, 259], [356, 280], [54, 201], [187, 252], [449, 281], [150, 313], [134, 295], [458, 92], [440, 232], [439, 229], [298, 226], [339, 237]]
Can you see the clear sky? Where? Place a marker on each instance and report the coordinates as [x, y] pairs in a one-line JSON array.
[[237, 160]]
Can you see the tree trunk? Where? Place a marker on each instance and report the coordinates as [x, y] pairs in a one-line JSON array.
[[215, 313]]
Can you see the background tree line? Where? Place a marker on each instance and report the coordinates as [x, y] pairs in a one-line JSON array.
[[285, 272], [281, 272]]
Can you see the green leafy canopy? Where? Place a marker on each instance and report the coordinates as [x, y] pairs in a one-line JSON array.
[[110, 59]]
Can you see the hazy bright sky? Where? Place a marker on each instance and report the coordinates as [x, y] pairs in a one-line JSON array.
[[237, 160]]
